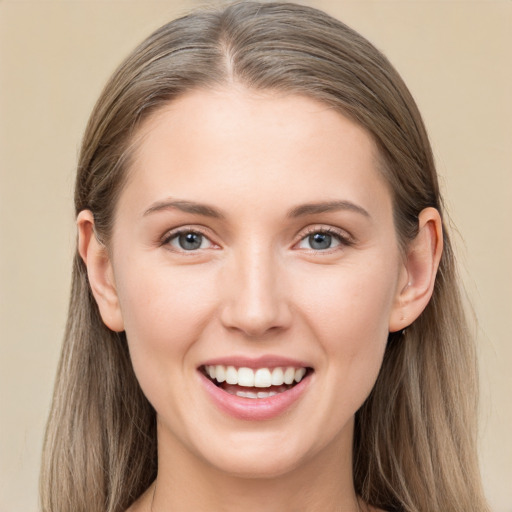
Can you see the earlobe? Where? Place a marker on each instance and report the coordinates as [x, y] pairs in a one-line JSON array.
[[420, 268], [99, 271]]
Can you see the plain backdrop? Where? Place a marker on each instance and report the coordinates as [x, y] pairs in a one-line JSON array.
[[55, 56]]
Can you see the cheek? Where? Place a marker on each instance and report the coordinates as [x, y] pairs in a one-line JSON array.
[[352, 303], [159, 302], [164, 313], [348, 313]]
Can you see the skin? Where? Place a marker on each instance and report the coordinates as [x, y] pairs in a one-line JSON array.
[[256, 286]]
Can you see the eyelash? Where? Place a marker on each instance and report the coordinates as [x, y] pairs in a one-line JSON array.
[[166, 240], [343, 238]]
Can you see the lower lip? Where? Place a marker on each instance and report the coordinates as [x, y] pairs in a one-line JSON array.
[[254, 409]]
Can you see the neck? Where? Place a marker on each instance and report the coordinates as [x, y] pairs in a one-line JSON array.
[[186, 482]]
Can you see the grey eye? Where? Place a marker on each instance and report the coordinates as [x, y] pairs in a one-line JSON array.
[[320, 241], [189, 241]]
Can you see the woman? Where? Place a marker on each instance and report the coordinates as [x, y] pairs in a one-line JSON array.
[[265, 309]]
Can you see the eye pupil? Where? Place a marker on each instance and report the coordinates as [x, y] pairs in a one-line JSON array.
[[320, 241], [190, 241]]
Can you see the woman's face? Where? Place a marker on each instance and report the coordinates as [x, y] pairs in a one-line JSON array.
[[255, 234]]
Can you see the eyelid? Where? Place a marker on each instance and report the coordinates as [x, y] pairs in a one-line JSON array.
[[173, 233], [345, 238]]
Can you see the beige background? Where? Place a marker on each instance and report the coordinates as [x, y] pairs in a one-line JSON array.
[[54, 58]]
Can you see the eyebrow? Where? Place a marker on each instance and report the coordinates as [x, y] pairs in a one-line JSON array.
[[330, 206], [298, 211], [185, 206]]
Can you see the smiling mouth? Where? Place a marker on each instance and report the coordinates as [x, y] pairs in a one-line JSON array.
[[255, 383]]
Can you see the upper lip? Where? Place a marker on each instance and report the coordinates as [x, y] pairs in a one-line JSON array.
[[265, 361]]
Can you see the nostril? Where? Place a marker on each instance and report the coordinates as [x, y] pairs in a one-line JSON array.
[[256, 322]]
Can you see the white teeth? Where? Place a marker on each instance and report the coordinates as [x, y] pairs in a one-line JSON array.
[[259, 394], [246, 377], [263, 378], [265, 394], [277, 377], [259, 378], [289, 375], [246, 394], [231, 375], [299, 373], [220, 373]]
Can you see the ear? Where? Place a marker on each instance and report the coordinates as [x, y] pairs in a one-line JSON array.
[[419, 271], [99, 270]]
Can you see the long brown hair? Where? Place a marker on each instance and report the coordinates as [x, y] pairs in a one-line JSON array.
[[415, 436]]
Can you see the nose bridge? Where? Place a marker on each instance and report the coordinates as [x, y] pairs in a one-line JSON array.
[[255, 302]]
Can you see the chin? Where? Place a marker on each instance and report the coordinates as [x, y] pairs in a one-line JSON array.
[[258, 466], [260, 457]]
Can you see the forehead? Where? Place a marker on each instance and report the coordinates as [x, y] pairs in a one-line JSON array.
[[241, 141]]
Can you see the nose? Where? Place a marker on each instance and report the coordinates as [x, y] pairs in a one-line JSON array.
[[254, 295]]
